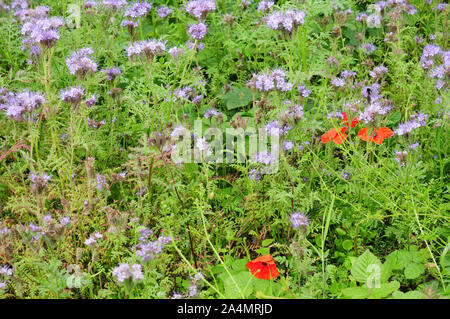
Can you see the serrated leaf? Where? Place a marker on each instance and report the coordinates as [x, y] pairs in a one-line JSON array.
[[356, 292], [385, 290], [407, 295], [366, 266], [267, 242]]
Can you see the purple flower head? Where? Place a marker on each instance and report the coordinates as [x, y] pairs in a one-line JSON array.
[[111, 73], [101, 182], [138, 9], [124, 272], [200, 8], [254, 175], [285, 21], [264, 6], [303, 90], [299, 220], [17, 105], [150, 48], [378, 71], [91, 101], [338, 82], [197, 31], [288, 145], [164, 11], [114, 4], [176, 53], [80, 62], [369, 48], [72, 95]]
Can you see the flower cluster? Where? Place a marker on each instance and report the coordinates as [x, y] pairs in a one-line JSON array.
[[125, 272], [268, 81], [299, 220], [285, 20], [264, 6], [39, 181], [43, 31], [149, 48], [72, 95], [5, 272], [164, 11], [200, 8], [197, 31], [147, 249], [80, 62], [92, 240], [20, 106], [415, 121], [137, 10]]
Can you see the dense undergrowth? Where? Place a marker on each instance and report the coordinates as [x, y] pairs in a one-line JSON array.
[[93, 205]]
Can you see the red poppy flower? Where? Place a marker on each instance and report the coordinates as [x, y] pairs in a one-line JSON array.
[[263, 267], [380, 134], [333, 134], [345, 120]]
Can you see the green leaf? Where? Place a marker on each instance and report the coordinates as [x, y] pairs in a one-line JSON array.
[[267, 242], [414, 270], [356, 292], [408, 295], [385, 290], [237, 97], [347, 244], [366, 266], [263, 251]]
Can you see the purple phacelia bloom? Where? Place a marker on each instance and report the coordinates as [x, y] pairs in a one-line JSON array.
[[347, 74], [378, 71], [114, 4], [18, 105], [303, 90], [264, 6], [254, 175], [176, 53], [400, 157], [101, 182], [80, 62], [299, 220], [197, 31], [264, 82], [147, 250], [285, 21], [164, 11], [371, 111], [72, 95], [414, 146], [124, 272], [266, 158], [346, 176], [150, 48], [369, 48], [200, 8], [91, 101], [338, 82], [138, 9], [288, 145], [212, 112]]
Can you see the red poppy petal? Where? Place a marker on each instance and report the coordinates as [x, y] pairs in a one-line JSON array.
[[328, 136], [345, 118], [384, 132], [263, 267], [355, 122], [362, 134], [341, 137]]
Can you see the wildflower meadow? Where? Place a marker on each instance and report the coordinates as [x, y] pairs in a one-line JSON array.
[[224, 149]]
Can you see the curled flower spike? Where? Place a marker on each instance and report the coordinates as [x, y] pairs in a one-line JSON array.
[[263, 267], [380, 134]]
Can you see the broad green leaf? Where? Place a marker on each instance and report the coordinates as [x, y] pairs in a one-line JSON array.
[[407, 295], [356, 292], [414, 270], [267, 242], [347, 244], [385, 290], [365, 267], [237, 97]]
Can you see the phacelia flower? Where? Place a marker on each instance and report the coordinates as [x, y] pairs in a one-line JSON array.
[[299, 220]]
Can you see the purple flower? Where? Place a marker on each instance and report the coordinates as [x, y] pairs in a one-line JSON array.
[[338, 82], [176, 53], [149, 47], [200, 8], [369, 48], [72, 95], [299, 220], [124, 272], [80, 62], [254, 175], [101, 182], [114, 4], [197, 31], [20, 103], [91, 101], [285, 21], [288, 145], [164, 11], [264, 6], [378, 71], [138, 9], [303, 90]]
